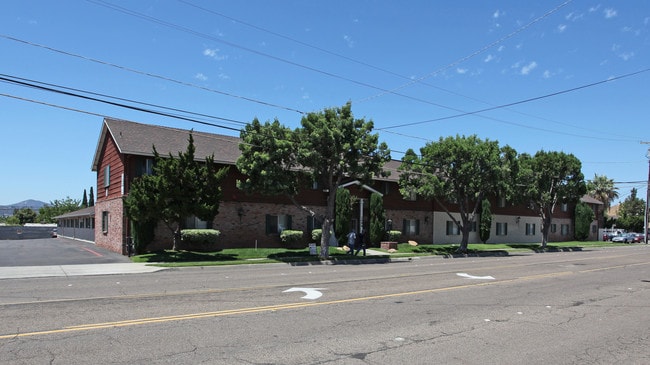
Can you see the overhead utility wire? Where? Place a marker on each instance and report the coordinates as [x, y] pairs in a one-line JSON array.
[[420, 81], [472, 55], [150, 74], [121, 105], [279, 59], [6, 78], [520, 101]]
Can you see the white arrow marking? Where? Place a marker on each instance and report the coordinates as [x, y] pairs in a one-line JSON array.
[[465, 275], [311, 293]]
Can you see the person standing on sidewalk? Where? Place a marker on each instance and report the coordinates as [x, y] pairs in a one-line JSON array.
[[360, 244], [352, 238]]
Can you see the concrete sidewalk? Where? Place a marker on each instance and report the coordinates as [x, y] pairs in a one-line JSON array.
[[17, 272]]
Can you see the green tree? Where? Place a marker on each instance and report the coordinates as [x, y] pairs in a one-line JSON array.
[[457, 172], [603, 189], [548, 179], [584, 215], [343, 213], [84, 201], [377, 219], [485, 225], [630, 213], [180, 187], [91, 198], [328, 147], [57, 207], [25, 215]]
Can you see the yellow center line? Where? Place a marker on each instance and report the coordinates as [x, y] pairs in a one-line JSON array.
[[271, 308]]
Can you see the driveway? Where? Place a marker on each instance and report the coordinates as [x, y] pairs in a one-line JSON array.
[[54, 251]]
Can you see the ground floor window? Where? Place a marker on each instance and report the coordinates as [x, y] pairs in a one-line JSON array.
[[411, 227], [104, 221], [277, 223], [502, 229], [565, 229], [452, 229], [530, 229], [553, 228]]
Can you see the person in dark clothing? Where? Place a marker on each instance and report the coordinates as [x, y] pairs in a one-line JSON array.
[[360, 244], [352, 238]]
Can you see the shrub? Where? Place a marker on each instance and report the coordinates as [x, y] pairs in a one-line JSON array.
[[199, 239], [316, 235], [394, 235], [291, 237]]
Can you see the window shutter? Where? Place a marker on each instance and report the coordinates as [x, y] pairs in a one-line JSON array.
[[268, 223], [417, 227], [289, 222], [404, 222]]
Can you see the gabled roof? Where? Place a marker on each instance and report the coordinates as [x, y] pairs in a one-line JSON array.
[[138, 139], [84, 212], [590, 200]]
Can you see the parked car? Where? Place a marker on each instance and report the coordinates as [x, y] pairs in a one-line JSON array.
[[54, 233], [625, 238], [638, 238]]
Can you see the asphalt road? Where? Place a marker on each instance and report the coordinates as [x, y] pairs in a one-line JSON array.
[[54, 251], [588, 307]]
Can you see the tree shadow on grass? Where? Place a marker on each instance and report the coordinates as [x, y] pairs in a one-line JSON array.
[[188, 256]]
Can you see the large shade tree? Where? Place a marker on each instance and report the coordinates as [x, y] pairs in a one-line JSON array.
[[630, 213], [547, 180], [327, 148], [180, 187], [458, 173]]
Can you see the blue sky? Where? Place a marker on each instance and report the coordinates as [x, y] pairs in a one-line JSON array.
[[419, 69]]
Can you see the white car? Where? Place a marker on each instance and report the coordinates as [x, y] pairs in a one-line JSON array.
[[625, 238]]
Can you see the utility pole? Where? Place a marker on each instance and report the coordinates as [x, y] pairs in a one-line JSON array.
[[647, 197]]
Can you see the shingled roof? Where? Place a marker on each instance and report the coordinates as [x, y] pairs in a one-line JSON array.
[[138, 139]]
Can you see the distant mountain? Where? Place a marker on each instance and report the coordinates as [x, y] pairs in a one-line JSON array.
[[35, 205]]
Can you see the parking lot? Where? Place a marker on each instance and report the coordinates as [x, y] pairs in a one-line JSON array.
[[54, 251]]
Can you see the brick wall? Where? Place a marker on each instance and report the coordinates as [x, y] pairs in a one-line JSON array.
[[113, 238]]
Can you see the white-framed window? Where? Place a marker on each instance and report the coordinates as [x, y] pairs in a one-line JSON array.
[[107, 176], [277, 223], [411, 227], [313, 223], [502, 229], [564, 207], [530, 229], [105, 221], [452, 229], [553, 228]]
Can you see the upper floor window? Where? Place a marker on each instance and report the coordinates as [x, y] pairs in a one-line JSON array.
[[564, 207], [107, 175], [501, 202]]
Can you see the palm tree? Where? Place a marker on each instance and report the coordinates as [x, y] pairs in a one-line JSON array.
[[603, 189]]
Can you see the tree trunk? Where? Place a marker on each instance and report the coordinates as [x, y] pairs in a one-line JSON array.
[[546, 225]]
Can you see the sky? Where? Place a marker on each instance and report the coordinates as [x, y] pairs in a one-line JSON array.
[[555, 75]]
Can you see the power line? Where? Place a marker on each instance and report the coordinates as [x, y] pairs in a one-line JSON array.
[[123, 68], [259, 53], [50, 87], [522, 102]]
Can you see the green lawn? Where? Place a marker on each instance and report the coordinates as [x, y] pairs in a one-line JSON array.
[[270, 255]]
